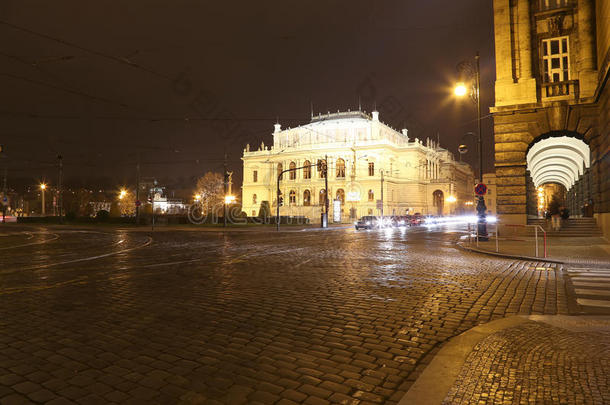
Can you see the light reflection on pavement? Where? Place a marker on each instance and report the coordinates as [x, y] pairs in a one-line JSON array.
[[115, 315]]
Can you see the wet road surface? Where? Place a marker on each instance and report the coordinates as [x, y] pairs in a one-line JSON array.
[[338, 316]]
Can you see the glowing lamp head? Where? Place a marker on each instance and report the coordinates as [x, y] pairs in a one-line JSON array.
[[229, 199], [197, 197], [460, 89], [43, 186], [451, 199], [122, 194]]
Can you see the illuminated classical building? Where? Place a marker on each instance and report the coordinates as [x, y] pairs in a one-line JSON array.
[[370, 166], [552, 108]]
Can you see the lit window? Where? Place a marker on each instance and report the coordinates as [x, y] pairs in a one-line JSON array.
[[341, 196], [555, 60], [340, 166], [255, 176], [371, 195], [307, 170], [321, 171], [293, 172], [552, 4], [371, 169], [306, 198]]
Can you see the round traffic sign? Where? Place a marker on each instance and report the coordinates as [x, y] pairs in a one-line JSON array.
[[480, 189], [138, 203]]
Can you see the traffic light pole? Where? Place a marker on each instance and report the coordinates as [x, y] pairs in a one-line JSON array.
[[325, 192]]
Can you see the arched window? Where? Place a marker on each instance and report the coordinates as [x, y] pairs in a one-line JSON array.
[[322, 197], [321, 171], [253, 198], [307, 170], [292, 197], [340, 168], [341, 195], [306, 198], [280, 168], [293, 173], [371, 195]]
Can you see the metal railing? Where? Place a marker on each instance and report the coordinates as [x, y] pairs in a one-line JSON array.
[[496, 236]]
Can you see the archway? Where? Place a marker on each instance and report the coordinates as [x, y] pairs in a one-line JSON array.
[[560, 158], [438, 201]]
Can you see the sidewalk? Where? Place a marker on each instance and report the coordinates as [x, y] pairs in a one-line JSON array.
[[521, 359], [572, 250]]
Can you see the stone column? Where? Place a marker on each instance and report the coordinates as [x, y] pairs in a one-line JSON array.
[[587, 64], [525, 40]]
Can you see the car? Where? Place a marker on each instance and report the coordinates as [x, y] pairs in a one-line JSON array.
[[366, 222], [417, 219], [402, 220]]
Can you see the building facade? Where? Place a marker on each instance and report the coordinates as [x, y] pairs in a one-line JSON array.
[[371, 167], [551, 113]]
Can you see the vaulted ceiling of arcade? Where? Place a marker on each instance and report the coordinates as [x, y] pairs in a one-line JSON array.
[[558, 160]]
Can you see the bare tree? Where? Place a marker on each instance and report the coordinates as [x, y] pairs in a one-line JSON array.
[[210, 189]]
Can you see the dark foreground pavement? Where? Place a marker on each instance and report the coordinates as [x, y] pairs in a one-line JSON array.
[[204, 317]]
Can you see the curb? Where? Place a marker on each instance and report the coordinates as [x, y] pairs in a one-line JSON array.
[[509, 256], [434, 383], [532, 258]]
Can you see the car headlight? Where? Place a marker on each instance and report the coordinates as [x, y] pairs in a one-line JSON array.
[[368, 222]]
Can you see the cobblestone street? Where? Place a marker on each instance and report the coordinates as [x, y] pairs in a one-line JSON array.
[[309, 317]]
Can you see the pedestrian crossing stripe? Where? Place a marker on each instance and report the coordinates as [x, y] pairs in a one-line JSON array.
[[593, 303], [592, 292], [588, 284]]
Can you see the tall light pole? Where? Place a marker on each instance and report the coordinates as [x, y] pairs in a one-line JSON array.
[[43, 187], [59, 190], [472, 71]]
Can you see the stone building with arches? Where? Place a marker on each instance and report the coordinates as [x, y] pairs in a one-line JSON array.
[[552, 112], [366, 159]]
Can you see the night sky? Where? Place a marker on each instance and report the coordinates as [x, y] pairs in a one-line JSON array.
[[182, 82]]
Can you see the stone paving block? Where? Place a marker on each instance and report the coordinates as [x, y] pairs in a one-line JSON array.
[[42, 395]]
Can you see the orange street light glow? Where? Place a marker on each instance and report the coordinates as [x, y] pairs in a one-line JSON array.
[[43, 186], [460, 89]]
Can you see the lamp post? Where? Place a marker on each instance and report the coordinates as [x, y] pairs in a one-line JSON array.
[[472, 71], [43, 187]]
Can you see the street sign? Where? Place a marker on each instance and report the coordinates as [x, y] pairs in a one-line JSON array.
[[480, 189], [379, 204], [138, 203]]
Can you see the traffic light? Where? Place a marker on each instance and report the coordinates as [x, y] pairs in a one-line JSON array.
[[281, 201]]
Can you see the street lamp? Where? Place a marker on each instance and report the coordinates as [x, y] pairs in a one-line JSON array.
[[228, 200], [472, 71], [122, 194], [43, 187]]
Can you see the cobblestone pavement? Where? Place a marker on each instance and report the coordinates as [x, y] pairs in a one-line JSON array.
[[309, 317], [536, 363]]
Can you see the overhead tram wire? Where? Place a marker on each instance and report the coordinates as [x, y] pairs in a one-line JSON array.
[[63, 88], [100, 54], [76, 92]]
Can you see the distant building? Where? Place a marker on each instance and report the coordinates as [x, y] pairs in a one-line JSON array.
[[552, 107], [370, 166]]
